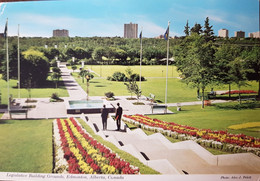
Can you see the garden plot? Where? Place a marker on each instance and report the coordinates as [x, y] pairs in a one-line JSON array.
[[78, 153]]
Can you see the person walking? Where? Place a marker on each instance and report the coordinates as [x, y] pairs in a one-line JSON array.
[[104, 115], [119, 112]]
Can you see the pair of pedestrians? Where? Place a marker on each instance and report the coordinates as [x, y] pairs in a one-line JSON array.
[[104, 115]]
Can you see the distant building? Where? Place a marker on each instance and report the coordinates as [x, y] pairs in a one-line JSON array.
[[61, 33], [239, 34], [254, 35], [130, 30], [223, 33]]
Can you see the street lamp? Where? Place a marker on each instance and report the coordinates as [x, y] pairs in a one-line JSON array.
[[88, 78]]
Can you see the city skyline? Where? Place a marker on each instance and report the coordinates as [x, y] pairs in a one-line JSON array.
[[107, 18]]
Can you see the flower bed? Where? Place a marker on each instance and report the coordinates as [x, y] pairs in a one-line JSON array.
[[241, 92], [207, 137], [84, 155]]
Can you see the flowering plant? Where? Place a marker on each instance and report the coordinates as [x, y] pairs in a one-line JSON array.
[[240, 92], [85, 155], [207, 134]]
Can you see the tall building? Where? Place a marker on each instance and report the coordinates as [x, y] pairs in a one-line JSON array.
[[130, 30], [254, 35], [223, 33], [61, 33], [239, 34]]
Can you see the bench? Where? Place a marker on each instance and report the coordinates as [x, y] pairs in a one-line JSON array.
[[18, 111], [163, 107], [151, 98], [248, 98]]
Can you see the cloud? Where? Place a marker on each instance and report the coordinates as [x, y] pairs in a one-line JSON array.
[[43, 25], [151, 29], [3, 9]]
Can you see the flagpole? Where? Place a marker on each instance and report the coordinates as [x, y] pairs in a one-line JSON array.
[[166, 89], [18, 59], [141, 54], [7, 67]]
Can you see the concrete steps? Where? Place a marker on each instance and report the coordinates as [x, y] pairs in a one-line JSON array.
[[185, 157]]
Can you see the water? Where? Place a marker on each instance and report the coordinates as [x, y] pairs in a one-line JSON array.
[[86, 104]]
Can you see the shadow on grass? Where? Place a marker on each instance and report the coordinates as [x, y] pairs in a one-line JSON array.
[[100, 86], [237, 106], [5, 122]]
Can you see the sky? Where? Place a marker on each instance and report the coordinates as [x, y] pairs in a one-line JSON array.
[[88, 18]]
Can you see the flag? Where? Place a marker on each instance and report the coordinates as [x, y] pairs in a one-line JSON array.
[[141, 35], [5, 31], [166, 34]]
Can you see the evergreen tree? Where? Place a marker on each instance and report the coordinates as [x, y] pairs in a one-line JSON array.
[[208, 31], [187, 29], [197, 28]]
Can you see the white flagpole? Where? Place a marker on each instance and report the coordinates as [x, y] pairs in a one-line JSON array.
[[7, 67], [167, 65], [141, 54], [18, 59]]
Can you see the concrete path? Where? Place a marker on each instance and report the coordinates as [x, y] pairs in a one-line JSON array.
[[74, 89]]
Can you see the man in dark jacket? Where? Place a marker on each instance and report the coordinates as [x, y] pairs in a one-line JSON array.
[[104, 115], [119, 112]]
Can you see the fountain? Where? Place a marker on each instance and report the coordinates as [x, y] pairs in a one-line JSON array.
[[87, 106]]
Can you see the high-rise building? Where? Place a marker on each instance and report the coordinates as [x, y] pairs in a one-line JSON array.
[[239, 34], [130, 30], [223, 33], [254, 35], [61, 33]]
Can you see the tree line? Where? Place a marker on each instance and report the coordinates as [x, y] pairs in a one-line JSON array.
[[200, 56]]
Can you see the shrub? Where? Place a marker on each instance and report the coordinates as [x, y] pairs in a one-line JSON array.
[[109, 94], [118, 76], [55, 98], [136, 77]]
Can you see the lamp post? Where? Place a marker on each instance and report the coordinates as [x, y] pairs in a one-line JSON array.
[[88, 78]]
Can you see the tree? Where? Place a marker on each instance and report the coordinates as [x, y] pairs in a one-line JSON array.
[[208, 31], [195, 62], [98, 53], [252, 62], [34, 67], [84, 73], [187, 29], [197, 28], [56, 75], [224, 55], [238, 73], [74, 67]]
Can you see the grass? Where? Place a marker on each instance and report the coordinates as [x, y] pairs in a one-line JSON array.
[[177, 90], [147, 70], [214, 118], [26, 146], [126, 156], [41, 92]]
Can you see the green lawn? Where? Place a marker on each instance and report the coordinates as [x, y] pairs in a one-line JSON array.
[[214, 118], [42, 92], [177, 90], [26, 146], [147, 70]]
